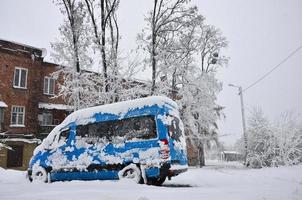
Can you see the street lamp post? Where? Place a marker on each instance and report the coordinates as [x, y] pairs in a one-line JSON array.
[[243, 121]]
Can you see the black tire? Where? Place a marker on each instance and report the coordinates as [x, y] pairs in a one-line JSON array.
[[156, 181], [130, 172], [39, 174]]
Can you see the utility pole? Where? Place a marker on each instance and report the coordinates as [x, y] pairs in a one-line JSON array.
[[243, 121]]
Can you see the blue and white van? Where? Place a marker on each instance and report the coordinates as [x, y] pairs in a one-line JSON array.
[[141, 139]]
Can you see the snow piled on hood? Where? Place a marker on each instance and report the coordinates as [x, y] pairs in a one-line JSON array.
[[86, 115]]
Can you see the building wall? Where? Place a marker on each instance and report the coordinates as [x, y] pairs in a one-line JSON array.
[[28, 149], [30, 97], [14, 96], [17, 55], [3, 157]]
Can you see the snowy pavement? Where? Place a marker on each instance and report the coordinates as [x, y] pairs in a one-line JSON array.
[[227, 181]]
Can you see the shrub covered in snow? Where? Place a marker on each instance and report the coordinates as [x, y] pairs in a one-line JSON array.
[[273, 144]]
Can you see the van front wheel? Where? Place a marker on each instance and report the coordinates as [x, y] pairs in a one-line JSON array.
[[130, 172], [39, 174]]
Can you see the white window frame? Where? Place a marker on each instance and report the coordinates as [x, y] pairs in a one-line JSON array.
[[17, 124], [48, 92], [19, 78]]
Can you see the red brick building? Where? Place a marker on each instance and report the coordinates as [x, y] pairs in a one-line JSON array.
[[28, 111]]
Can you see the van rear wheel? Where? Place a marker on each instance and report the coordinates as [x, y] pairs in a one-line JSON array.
[[130, 172], [156, 181]]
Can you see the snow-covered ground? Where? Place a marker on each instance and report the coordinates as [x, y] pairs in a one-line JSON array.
[[221, 181]]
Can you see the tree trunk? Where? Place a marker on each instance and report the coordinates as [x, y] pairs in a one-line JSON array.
[[153, 67], [153, 52], [103, 43], [201, 155], [174, 89]]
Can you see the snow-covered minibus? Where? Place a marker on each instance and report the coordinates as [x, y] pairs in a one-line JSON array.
[[141, 139]]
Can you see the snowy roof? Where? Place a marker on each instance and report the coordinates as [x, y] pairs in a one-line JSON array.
[[85, 115], [3, 105], [22, 44], [31, 141], [50, 106]]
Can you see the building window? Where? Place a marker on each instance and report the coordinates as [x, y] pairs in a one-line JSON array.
[[1, 117], [17, 115], [15, 156], [49, 86], [20, 78], [56, 121], [46, 119]]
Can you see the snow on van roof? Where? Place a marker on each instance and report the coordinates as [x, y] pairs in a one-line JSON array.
[[120, 108], [84, 116]]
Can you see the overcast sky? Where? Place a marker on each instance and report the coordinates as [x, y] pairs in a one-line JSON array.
[[260, 34]]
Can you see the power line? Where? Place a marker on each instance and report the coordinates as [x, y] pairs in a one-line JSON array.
[[273, 69]]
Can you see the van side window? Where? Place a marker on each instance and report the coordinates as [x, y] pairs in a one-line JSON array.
[[82, 130], [94, 133], [136, 128], [139, 128]]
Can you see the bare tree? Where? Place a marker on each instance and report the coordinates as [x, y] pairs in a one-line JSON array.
[[166, 17], [73, 9], [71, 48], [98, 44], [210, 44], [108, 19]]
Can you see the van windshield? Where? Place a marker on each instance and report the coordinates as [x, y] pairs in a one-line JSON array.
[[174, 130]]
